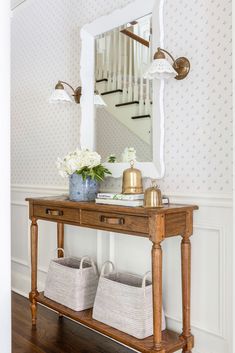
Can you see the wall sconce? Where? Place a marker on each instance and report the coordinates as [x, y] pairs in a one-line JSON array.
[[160, 67], [59, 93]]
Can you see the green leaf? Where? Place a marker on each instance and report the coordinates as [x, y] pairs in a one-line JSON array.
[[97, 173]]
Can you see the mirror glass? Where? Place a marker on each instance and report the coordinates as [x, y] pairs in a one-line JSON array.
[[122, 57]]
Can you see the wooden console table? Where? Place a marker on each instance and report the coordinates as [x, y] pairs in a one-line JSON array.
[[155, 224]]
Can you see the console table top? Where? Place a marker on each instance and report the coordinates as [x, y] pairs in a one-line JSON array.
[[63, 201]]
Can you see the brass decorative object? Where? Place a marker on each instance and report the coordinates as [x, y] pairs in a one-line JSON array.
[[132, 180], [181, 65], [153, 196]]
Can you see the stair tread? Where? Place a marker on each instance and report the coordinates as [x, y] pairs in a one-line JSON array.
[[126, 103], [141, 116], [110, 92], [102, 80]]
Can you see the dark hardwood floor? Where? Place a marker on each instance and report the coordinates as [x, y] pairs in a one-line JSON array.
[[54, 335]]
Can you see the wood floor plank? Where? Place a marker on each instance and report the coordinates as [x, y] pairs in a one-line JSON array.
[[54, 335], [22, 345]]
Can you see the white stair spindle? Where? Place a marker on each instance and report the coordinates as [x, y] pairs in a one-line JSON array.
[[147, 98], [114, 53], [101, 52], [119, 46], [141, 99], [130, 78], [136, 88], [105, 74], [97, 60], [124, 94], [109, 61]]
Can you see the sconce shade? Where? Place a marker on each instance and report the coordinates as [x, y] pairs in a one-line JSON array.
[[160, 69], [98, 100], [59, 94]]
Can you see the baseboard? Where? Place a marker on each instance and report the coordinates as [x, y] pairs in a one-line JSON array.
[[21, 279], [17, 291]]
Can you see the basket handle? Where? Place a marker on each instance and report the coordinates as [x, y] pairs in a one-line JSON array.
[[104, 267], [91, 261], [61, 249], [144, 278]]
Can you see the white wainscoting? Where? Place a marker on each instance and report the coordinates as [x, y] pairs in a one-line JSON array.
[[211, 260]]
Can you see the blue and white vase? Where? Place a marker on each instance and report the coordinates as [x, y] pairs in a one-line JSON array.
[[82, 190]]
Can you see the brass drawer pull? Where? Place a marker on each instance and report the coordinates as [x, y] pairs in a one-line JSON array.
[[112, 220], [51, 212]]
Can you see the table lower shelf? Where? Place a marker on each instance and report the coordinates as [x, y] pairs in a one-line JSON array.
[[171, 341]]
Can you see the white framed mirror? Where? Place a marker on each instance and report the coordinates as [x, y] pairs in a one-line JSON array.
[[134, 107]]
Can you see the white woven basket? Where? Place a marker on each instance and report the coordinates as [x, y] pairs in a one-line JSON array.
[[72, 282], [124, 301]]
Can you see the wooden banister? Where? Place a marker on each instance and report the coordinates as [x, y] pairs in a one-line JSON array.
[[135, 37]]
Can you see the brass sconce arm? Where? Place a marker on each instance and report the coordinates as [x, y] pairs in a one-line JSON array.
[[60, 86], [160, 55]]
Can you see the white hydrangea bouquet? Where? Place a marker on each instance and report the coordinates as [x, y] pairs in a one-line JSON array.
[[82, 162], [84, 170]]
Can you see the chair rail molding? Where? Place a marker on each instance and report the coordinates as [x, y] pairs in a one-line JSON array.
[[201, 199]]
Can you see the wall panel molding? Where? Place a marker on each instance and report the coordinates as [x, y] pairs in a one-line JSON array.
[[37, 189], [19, 261], [204, 199], [220, 230]]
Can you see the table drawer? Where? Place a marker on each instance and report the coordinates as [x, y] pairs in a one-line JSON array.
[[56, 213], [115, 222]]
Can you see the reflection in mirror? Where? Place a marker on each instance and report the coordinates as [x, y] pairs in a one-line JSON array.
[[122, 57]]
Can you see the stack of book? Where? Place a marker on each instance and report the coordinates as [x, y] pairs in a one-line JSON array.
[[134, 200], [109, 198]]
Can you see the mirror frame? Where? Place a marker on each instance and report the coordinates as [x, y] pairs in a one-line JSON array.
[[131, 12]]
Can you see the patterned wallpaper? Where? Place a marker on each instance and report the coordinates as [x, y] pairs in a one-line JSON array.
[[46, 47], [119, 137], [198, 121]]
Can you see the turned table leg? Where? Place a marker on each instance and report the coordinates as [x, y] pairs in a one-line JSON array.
[[34, 259], [60, 244], [157, 295], [60, 238], [186, 283], [157, 231]]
